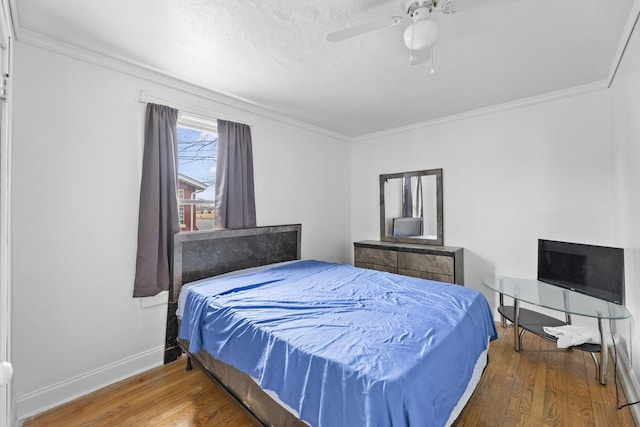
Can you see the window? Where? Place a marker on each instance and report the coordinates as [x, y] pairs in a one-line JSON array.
[[197, 159]]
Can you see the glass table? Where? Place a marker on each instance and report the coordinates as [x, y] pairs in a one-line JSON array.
[[559, 299]]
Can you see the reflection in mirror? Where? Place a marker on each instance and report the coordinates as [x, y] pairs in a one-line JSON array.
[[411, 207]]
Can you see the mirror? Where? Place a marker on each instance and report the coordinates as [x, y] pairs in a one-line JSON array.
[[411, 207]]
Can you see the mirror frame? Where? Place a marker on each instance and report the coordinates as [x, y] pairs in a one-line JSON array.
[[440, 236]]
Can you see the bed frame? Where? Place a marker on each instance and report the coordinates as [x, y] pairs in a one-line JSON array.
[[210, 253]]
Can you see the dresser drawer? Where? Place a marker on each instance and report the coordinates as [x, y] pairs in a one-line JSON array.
[[426, 263], [438, 277], [442, 263], [387, 268], [376, 257]]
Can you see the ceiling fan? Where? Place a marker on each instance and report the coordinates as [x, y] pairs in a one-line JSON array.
[[419, 36]]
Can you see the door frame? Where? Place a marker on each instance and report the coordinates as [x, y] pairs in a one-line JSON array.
[[6, 40]]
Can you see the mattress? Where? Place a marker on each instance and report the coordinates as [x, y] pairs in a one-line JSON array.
[[343, 346]]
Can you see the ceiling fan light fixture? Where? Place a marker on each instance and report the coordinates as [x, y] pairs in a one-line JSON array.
[[420, 34]]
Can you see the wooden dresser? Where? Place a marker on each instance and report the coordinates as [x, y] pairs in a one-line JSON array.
[[441, 263]]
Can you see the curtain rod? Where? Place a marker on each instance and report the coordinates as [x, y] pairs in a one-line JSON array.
[[191, 110]]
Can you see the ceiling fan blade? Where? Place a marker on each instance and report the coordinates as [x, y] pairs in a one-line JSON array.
[[363, 28]]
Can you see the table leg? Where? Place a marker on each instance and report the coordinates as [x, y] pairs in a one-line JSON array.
[[516, 324], [604, 352], [503, 320], [567, 316]]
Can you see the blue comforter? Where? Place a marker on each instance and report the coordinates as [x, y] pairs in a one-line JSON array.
[[345, 346]]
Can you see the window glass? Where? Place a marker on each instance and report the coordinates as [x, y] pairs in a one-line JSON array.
[[197, 155]]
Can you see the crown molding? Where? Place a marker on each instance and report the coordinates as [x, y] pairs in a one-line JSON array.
[[160, 77], [565, 93], [625, 38], [511, 105], [132, 68]]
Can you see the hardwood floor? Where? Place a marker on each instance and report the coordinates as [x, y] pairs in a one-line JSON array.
[[164, 396], [540, 386]]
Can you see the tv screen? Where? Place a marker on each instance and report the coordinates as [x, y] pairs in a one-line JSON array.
[[405, 227], [593, 270]]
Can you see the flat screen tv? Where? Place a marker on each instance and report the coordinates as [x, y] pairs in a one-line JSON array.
[[593, 270], [406, 227]]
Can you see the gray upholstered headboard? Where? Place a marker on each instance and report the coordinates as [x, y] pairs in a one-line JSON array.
[[210, 253]]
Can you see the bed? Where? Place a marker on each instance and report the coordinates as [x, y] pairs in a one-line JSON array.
[[306, 342]]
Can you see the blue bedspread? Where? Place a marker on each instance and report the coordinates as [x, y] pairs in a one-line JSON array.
[[345, 346]]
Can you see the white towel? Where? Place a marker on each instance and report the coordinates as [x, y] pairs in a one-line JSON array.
[[570, 335]]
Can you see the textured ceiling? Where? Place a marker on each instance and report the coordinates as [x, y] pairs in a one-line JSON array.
[[274, 53]]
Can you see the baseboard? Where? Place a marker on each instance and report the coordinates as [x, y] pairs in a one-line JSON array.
[[629, 383], [37, 401]]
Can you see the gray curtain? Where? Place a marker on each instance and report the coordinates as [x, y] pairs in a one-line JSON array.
[[235, 200], [412, 197], [416, 189], [407, 198], [158, 218]]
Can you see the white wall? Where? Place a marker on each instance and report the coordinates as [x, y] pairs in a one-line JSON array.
[[509, 177], [625, 134], [77, 150]]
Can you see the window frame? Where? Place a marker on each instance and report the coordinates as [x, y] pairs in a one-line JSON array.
[[181, 208]]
